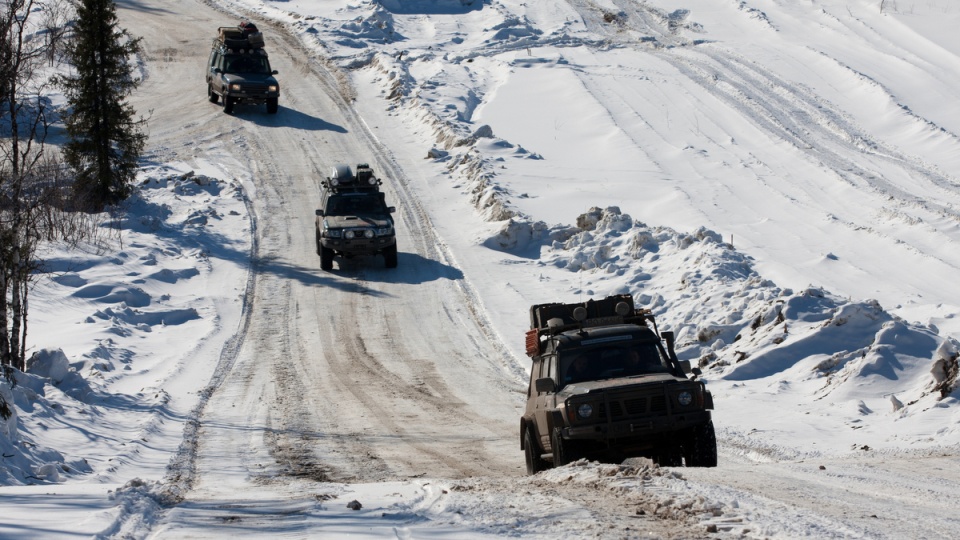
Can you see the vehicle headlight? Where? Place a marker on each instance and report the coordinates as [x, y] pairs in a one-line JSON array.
[[585, 410], [685, 398], [385, 231], [368, 233], [235, 87], [273, 88], [333, 233], [349, 234]]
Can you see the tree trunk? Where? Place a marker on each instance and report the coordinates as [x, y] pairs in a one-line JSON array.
[[16, 284], [5, 359]]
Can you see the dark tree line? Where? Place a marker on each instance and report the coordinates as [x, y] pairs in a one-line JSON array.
[[49, 193]]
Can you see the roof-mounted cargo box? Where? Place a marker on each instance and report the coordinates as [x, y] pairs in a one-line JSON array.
[[343, 179]]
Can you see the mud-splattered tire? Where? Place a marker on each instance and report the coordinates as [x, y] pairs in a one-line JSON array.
[[228, 103], [390, 256], [326, 258], [211, 95], [532, 452], [564, 452], [700, 449]]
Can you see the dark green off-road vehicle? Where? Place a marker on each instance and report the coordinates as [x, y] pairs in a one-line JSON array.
[[238, 70], [603, 386], [355, 219]]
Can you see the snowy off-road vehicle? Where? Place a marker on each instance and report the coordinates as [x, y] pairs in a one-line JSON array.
[[239, 71], [355, 219], [604, 387]]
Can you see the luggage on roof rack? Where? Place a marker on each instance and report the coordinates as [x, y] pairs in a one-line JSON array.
[[245, 35], [554, 318], [605, 310]]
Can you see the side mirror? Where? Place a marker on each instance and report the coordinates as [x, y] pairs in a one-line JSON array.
[[274, 72], [319, 212], [391, 209], [217, 70], [545, 385], [685, 366]]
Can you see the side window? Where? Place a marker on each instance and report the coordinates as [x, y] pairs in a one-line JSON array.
[[213, 59], [550, 365]]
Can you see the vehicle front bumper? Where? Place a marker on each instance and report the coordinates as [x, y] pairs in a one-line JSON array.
[[250, 95], [636, 427], [359, 246]]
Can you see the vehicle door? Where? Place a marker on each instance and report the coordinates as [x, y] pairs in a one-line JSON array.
[[212, 65], [545, 402]]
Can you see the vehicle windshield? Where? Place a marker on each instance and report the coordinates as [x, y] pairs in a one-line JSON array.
[[610, 362], [354, 205], [247, 64]]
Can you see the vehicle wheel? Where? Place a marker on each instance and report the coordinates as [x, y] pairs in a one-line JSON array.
[[531, 449], [228, 103], [390, 256], [319, 245], [211, 95], [272, 105], [326, 258], [701, 447], [563, 452]]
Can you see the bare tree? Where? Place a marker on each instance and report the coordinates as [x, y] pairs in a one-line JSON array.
[[33, 183]]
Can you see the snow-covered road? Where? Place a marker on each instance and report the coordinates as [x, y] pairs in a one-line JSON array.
[[402, 388], [360, 374], [366, 375]]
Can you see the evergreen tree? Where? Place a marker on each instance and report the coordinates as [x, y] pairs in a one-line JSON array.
[[105, 138]]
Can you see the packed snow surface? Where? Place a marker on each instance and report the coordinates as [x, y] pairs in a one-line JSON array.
[[778, 181]]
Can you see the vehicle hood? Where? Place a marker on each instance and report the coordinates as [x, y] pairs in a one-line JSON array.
[[621, 383], [258, 78], [341, 222]]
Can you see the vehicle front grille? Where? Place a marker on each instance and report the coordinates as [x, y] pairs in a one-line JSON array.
[[248, 88], [629, 406]]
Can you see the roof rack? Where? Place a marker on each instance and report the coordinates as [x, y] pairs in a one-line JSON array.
[[245, 37], [342, 179], [554, 318]]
